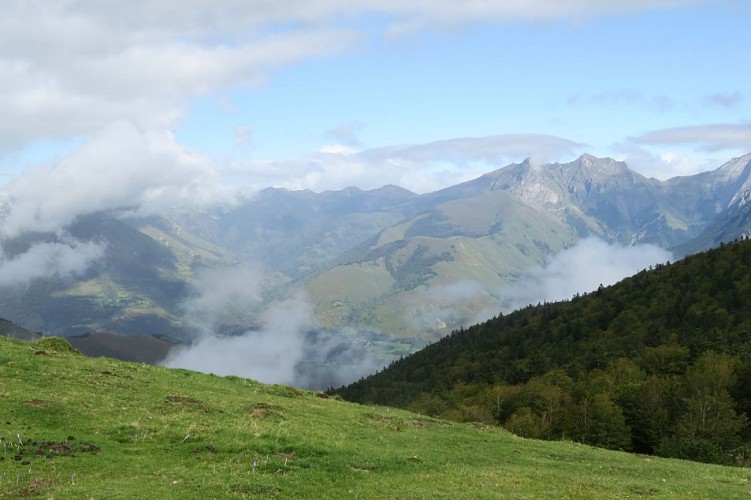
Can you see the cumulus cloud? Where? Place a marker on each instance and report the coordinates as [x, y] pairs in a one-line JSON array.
[[64, 259], [73, 68], [120, 167], [70, 68], [418, 167], [580, 269]]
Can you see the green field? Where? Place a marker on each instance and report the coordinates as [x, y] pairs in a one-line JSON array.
[[76, 427]]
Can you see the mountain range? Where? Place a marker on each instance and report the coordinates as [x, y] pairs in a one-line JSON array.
[[388, 261]]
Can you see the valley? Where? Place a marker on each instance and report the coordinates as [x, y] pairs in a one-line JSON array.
[[374, 260]]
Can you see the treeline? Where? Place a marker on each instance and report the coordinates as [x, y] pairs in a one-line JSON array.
[[659, 363]]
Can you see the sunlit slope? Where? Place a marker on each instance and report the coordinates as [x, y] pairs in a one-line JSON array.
[[75, 427], [466, 248]]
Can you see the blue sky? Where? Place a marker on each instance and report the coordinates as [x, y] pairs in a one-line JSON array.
[[227, 94]]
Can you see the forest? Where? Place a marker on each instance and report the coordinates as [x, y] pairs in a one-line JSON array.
[[659, 363]]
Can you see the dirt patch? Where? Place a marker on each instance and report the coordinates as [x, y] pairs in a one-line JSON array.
[[36, 448], [35, 487], [37, 403], [182, 400], [187, 402], [263, 410], [209, 447], [65, 449]]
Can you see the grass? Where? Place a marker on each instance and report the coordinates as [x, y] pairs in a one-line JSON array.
[[76, 427]]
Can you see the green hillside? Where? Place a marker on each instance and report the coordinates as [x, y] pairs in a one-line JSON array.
[[76, 427], [486, 239], [659, 363]]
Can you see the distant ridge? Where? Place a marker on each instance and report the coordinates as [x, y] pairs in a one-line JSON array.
[[367, 258]]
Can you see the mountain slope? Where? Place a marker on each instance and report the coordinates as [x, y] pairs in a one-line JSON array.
[[478, 243], [295, 232], [683, 330], [385, 260], [134, 288], [75, 427]]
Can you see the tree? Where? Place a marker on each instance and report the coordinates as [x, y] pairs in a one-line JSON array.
[[596, 420], [708, 429]]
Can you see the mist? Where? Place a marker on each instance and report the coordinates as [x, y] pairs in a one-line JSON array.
[[581, 269], [268, 355], [440, 306], [285, 345], [65, 259]]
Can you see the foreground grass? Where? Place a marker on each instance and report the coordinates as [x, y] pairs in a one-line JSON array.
[[75, 427]]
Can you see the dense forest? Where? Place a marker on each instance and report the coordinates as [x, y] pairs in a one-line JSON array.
[[659, 363]]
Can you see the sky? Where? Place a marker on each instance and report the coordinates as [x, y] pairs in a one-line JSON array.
[[153, 103]]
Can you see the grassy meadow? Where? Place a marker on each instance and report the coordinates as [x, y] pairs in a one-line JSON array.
[[77, 427]]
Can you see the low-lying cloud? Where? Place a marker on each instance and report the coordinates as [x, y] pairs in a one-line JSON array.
[[287, 347], [223, 295], [581, 269], [269, 355], [65, 259], [441, 306]]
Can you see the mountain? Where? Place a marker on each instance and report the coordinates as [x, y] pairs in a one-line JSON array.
[[295, 232], [444, 266], [12, 331], [386, 261], [76, 427], [632, 366], [726, 193], [134, 288]]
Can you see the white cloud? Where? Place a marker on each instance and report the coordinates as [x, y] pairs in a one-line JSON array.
[[64, 259], [579, 269], [287, 348], [663, 165], [712, 138], [420, 167], [118, 168], [223, 295], [441, 306], [270, 355], [69, 68]]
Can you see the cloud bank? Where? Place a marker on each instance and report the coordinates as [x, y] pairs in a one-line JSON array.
[[269, 355], [61, 260], [287, 348], [119, 168], [419, 167], [581, 269]]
